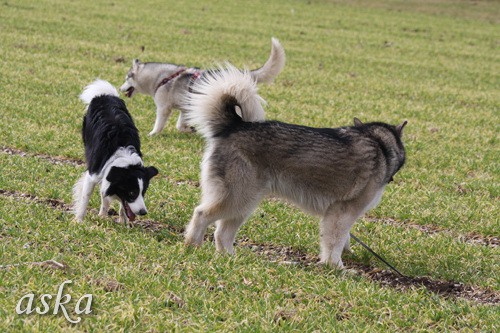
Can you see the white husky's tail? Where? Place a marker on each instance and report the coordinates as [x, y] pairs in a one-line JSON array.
[[221, 98], [98, 88], [273, 66]]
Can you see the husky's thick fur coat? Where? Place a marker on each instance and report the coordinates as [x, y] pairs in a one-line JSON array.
[[336, 173], [168, 83], [113, 155]]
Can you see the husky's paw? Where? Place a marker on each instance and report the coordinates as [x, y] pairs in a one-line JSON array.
[[78, 219], [192, 240], [350, 272], [153, 133], [186, 129], [337, 264]]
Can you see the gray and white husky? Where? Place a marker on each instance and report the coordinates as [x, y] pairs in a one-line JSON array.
[[336, 173], [167, 83]]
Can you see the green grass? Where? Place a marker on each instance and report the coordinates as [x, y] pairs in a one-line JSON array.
[[434, 63]]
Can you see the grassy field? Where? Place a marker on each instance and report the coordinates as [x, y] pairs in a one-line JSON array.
[[433, 63]]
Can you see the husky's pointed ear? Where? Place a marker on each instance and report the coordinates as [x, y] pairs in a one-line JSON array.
[[135, 63], [151, 171], [400, 127], [357, 122]]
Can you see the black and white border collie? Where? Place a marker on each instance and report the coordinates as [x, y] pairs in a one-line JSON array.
[[113, 155]]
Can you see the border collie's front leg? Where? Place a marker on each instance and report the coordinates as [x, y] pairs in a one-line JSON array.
[[123, 216], [82, 191], [105, 202]]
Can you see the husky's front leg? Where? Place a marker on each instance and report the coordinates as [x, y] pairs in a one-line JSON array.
[[347, 245], [334, 234], [163, 112]]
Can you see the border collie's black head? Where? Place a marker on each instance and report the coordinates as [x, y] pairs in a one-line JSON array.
[[129, 184]]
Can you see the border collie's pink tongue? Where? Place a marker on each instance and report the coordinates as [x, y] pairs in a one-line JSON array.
[[129, 212]]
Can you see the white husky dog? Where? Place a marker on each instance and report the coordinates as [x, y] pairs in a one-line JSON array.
[[168, 83]]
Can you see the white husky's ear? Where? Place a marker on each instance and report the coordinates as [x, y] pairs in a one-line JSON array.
[[357, 122], [400, 127], [135, 63]]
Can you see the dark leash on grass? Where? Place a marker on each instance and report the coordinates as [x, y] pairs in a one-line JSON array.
[[376, 255]]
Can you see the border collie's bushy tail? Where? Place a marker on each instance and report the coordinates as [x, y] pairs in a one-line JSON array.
[[98, 88], [217, 97]]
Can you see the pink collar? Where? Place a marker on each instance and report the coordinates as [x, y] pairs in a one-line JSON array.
[[195, 75], [169, 78]]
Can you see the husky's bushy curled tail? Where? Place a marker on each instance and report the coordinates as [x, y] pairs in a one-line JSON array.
[[221, 97]]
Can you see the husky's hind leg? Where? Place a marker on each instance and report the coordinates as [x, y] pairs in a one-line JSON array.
[[227, 228], [162, 114], [229, 201], [203, 216], [226, 233], [182, 124], [228, 217]]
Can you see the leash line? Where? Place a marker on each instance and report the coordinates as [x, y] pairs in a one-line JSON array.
[[376, 255]]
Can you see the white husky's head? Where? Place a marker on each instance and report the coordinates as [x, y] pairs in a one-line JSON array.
[[131, 84]]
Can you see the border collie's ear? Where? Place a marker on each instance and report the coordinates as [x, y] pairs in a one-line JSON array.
[[151, 171], [114, 174], [357, 122], [400, 127]]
